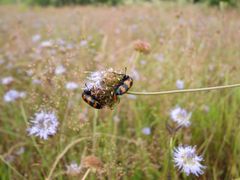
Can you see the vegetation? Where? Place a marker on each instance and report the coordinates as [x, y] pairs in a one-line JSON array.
[[46, 55], [233, 3]]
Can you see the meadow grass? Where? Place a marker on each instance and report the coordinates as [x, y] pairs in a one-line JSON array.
[[195, 44]]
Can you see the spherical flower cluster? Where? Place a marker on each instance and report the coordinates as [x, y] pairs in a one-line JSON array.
[[186, 160], [180, 84], [7, 80], [73, 169], [43, 125], [13, 95], [60, 69], [181, 116], [71, 86]]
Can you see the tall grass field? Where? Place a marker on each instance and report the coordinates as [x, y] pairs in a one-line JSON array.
[[49, 55]]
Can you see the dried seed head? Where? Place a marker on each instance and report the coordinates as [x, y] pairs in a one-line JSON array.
[[92, 162], [142, 46]]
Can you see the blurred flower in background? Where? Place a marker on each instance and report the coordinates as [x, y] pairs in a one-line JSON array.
[[180, 84], [73, 169], [71, 86], [60, 69], [7, 80], [13, 95], [146, 130], [181, 116]]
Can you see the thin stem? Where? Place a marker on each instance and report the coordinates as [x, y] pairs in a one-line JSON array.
[[73, 143], [11, 167], [59, 157], [185, 90], [86, 174], [94, 130]]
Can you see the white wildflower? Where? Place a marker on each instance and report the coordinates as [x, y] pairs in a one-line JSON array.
[[13, 95], [60, 69], [20, 151], [95, 79], [1, 61], [71, 85], [159, 57], [116, 119], [180, 84], [36, 81], [36, 37], [7, 80], [44, 124], [187, 161], [146, 130], [73, 169], [46, 44], [181, 116], [131, 96], [83, 43]]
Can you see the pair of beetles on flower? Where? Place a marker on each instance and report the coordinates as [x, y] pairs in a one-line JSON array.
[[103, 88]]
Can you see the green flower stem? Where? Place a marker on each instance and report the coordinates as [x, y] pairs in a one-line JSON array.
[[185, 90]]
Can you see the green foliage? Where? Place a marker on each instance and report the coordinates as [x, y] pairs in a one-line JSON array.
[[218, 2]]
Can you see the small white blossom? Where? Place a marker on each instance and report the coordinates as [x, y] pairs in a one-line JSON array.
[[159, 57], [116, 119], [71, 85], [20, 151], [83, 43], [73, 169], [135, 74], [187, 161], [44, 124], [146, 130], [60, 69], [181, 116], [94, 80], [180, 84], [36, 37], [13, 95], [7, 80], [1, 61], [36, 81], [131, 96], [46, 44]]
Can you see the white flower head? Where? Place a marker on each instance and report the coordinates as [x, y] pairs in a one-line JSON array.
[[13, 95], [36, 37], [180, 84], [181, 116], [71, 86], [146, 130], [60, 69], [73, 169], [187, 161], [43, 124], [7, 80], [95, 79], [36, 81], [83, 43], [46, 44], [159, 57]]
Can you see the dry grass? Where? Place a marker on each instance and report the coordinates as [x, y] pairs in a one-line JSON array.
[[193, 43]]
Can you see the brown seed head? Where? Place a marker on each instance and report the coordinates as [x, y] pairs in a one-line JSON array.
[[142, 46], [92, 162]]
